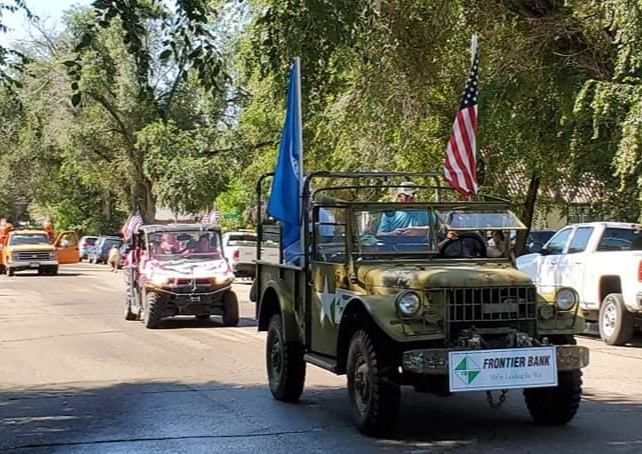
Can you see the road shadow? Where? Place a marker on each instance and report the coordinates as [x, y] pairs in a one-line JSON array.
[[213, 322], [164, 416]]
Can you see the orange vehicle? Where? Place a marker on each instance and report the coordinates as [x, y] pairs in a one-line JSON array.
[[36, 250]]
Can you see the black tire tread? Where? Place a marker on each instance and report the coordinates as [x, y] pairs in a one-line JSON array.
[[382, 417], [230, 309], [556, 406], [627, 322], [292, 382], [152, 313]]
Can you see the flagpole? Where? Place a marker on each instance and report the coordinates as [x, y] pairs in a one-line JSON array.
[[473, 47], [304, 222]]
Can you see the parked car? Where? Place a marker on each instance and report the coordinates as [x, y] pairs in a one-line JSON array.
[[602, 262], [239, 248], [85, 244], [100, 250]]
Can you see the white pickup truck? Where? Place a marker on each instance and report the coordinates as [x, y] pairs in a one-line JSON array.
[[602, 262], [239, 249]]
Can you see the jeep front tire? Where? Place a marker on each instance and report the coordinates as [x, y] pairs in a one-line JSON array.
[[285, 364], [374, 395], [558, 405]]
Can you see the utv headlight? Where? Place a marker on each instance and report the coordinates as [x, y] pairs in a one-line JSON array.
[[565, 299], [159, 281], [408, 303]]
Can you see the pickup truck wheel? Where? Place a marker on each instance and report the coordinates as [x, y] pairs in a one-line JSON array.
[[53, 271], [10, 272], [285, 364], [374, 396], [616, 323], [230, 309], [152, 312], [558, 405]]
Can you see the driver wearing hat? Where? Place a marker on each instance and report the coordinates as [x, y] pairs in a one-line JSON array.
[[404, 222]]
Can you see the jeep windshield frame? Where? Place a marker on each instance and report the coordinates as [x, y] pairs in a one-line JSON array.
[[327, 196]]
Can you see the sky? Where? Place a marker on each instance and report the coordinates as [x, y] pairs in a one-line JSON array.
[[49, 11]]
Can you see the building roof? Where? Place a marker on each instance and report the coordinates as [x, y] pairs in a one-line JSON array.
[[583, 190]]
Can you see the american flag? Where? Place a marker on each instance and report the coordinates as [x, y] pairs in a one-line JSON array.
[[211, 217], [133, 223], [461, 162]]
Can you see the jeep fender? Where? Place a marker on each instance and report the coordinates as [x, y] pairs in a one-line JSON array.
[[272, 301], [380, 309]]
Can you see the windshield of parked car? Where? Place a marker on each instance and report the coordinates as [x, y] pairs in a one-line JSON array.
[[185, 245], [88, 241], [21, 239], [111, 242], [620, 239]]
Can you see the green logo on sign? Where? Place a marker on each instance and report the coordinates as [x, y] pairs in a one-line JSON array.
[[467, 370]]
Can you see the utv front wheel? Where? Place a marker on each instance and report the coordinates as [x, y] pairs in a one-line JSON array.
[[558, 405], [152, 313], [230, 309], [285, 364], [374, 396]]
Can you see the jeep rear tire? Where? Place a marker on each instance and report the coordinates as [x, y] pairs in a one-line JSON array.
[[230, 309], [152, 312], [374, 395], [615, 321], [558, 405], [285, 364]]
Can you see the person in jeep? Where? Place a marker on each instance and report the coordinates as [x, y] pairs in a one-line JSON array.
[[404, 222]]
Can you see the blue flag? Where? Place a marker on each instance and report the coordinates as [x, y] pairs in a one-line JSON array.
[[284, 196]]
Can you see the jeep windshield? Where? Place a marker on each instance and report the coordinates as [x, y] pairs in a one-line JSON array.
[[435, 232], [406, 231], [29, 239], [193, 245]]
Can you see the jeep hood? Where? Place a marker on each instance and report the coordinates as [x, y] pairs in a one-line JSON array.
[[440, 276]]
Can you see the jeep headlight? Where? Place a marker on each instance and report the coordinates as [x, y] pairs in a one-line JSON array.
[[565, 299], [52, 255], [408, 303]]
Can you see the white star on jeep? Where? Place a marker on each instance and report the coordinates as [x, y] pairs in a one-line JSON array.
[[326, 298]]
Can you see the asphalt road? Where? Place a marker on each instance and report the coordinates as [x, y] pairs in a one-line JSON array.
[[76, 377]]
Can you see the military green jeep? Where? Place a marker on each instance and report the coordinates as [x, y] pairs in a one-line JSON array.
[[423, 294]]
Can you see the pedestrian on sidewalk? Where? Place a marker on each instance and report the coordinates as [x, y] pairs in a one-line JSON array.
[[113, 259]]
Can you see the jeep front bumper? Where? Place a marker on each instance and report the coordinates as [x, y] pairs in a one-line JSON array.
[[434, 361]]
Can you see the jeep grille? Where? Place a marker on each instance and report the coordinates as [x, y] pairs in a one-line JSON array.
[[491, 304]]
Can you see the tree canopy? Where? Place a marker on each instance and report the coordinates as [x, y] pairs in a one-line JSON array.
[[137, 104]]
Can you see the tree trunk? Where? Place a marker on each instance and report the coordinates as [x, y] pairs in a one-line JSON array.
[[527, 214]]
